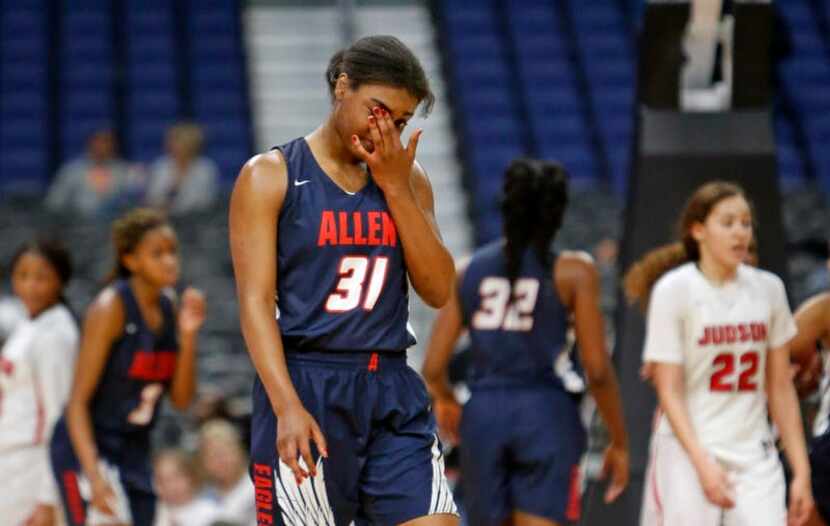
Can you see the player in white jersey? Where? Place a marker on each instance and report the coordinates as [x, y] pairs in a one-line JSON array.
[[36, 364], [718, 333], [813, 320]]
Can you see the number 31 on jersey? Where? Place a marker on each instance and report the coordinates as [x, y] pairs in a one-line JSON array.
[[351, 286]]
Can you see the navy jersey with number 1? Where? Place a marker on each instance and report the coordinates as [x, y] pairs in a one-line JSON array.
[[138, 371]]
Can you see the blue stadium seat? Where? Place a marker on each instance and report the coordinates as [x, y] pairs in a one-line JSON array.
[[24, 96]]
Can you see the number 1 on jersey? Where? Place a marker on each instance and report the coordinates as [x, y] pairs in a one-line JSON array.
[[350, 287]]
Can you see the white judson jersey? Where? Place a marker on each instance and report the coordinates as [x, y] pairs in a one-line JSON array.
[[36, 367], [721, 336]]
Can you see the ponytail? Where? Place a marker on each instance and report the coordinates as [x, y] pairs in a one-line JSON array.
[[642, 275]]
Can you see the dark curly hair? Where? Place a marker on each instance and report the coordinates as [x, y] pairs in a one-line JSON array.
[[535, 198], [128, 231]]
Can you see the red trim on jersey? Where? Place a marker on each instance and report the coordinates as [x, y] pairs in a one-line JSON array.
[[574, 509], [41, 413], [373, 363], [73, 497], [655, 491]]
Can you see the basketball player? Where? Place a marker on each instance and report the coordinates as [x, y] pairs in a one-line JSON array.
[[521, 434], [718, 333], [813, 321], [134, 347], [35, 375], [331, 226]]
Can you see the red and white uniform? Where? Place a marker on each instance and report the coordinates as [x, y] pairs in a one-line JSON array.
[[36, 367], [720, 335]]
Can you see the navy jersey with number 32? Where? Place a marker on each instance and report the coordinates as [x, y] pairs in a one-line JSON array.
[[341, 276], [518, 340]]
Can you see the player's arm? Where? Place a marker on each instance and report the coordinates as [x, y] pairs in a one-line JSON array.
[[190, 317], [783, 403], [428, 261], [254, 211], [813, 321], [410, 200], [577, 283], [446, 330], [785, 413], [102, 325]]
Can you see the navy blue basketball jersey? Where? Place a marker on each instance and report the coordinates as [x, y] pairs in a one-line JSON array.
[[139, 370], [520, 340], [342, 282]]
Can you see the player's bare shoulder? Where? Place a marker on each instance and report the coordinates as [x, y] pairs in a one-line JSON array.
[[575, 265], [106, 310], [265, 172]]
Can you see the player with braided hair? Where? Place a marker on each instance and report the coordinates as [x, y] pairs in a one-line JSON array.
[[521, 432]]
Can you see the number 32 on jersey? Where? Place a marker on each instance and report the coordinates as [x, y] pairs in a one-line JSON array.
[[498, 312]]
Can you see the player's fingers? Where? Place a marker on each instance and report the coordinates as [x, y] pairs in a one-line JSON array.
[[412, 146], [305, 454], [319, 440], [726, 500], [361, 151], [288, 454], [383, 125], [614, 490], [376, 135]]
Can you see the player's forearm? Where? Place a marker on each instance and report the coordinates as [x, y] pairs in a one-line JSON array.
[[784, 410], [262, 338], [606, 392], [673, 404], [428, 262], [183, 386], [79, 425]]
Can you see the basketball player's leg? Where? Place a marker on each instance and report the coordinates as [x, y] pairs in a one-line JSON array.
[[329, 497], [677, 489], [483, 447], [521, 518], [441, 519], [403, 479], [545, 450], [760, 494]]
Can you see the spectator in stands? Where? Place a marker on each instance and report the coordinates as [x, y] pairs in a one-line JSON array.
[[183, 181], [176, 482], [225, 465], [94, 184]]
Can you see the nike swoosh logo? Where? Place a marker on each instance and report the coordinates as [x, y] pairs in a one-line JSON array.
[[301, 183]]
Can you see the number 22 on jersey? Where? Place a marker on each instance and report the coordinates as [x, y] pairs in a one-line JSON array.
[[724, 364], [498, 312]]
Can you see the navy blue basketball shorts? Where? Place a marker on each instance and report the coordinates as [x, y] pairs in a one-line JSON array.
[[820, 470], [520, 451], [384, 464], [134, 504]]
